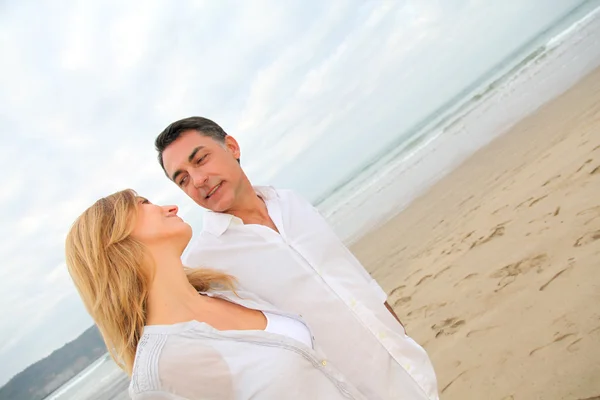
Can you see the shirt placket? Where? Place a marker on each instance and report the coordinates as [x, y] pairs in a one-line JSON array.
[[362, 314], [275, 213]]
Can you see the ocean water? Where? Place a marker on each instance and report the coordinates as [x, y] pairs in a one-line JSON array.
[[102, 380], [539, 71]]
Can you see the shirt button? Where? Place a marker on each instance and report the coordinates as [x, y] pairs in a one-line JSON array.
[[324, 363]]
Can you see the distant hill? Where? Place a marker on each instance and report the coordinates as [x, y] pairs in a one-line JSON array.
[[45, 376]]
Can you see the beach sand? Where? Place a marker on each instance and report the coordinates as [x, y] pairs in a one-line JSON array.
[[496, 269]]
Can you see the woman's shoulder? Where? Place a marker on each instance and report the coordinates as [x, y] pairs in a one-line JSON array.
[[176, 356], [144, 376]]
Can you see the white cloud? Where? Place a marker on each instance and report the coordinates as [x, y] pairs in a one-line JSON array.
[[78, 50]]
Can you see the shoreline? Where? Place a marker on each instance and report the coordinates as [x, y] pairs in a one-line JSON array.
[[568, 58]]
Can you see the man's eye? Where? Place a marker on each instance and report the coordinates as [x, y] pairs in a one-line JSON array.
[[183, 181], [200, 159]]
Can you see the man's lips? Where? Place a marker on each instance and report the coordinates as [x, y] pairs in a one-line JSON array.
[[213, 190]]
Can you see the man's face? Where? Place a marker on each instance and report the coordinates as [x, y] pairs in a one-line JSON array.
[[205, 169]]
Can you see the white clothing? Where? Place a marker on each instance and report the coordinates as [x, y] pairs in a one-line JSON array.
[[287, 326], [305, 269], [193, 361]]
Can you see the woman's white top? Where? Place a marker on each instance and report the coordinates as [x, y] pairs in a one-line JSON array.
[[287, 326], [193, 361]]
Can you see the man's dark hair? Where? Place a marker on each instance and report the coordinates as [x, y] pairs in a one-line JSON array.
[[203, 126]]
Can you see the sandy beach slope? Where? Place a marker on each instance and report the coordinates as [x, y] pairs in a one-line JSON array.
[[496, 269]]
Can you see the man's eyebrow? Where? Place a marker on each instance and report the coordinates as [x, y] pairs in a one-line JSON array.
[[176, 174], [190, 158], [193, 153]]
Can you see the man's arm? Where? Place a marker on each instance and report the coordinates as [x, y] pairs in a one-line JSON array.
[[353, 260], [391, 310]]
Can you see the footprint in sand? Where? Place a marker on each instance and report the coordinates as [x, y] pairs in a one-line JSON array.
[[587, 238], [497, 231], [426, 311], [554, 213], [401, 301], [499, 209], [534, 202], [559, 338], [593, 211], [523, 202], [584, 164], [423, 279], [465, 200], [453, 380], [573, 346], [448, 327], [509, 273], [466, 278], [559, 273], [442, 271], [549, 181], [413, 273], [467, 236], [482, 330], [396, 290]]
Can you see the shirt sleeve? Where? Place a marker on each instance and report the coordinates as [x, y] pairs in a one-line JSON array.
[[379, 292]]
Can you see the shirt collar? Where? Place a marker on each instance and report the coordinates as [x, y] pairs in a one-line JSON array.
[[266, 192], [217, 223]]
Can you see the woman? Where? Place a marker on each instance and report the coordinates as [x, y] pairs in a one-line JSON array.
[[186, 333]]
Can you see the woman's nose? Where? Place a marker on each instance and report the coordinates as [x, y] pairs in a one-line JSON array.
[[172, 210]]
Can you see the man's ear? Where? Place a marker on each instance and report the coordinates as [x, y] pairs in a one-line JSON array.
[[232, 145]]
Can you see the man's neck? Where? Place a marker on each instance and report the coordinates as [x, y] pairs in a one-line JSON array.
[[252, 209]]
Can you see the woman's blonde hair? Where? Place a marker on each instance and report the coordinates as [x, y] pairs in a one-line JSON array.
[[111, 272]]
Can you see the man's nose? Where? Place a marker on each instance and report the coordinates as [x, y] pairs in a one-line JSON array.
[[198, 179]]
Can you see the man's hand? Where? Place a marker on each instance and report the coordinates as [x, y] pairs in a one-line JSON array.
[[391, 310]]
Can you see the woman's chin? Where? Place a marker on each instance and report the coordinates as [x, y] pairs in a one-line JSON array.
[[187, 233]]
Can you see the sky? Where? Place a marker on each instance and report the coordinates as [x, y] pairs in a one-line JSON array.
[[311, 89]]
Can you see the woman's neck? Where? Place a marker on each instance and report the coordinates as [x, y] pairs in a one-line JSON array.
[[171, 299]]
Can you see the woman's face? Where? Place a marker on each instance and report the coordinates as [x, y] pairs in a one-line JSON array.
[[160, 225]]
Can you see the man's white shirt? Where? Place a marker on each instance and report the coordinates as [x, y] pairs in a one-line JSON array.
[[306, 269]]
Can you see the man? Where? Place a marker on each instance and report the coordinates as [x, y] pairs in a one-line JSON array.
[[282, 249]]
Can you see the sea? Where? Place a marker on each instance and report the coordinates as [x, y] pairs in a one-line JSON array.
[[540, 70]]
